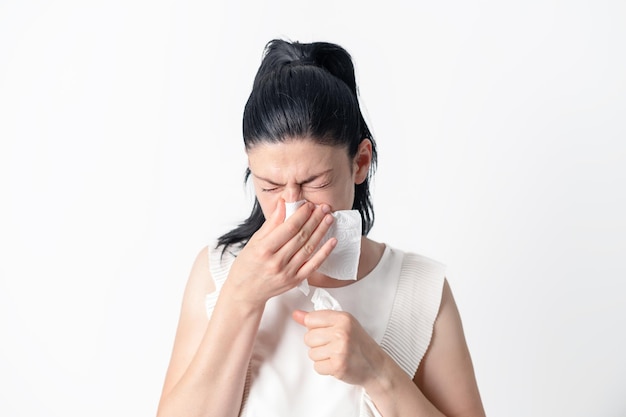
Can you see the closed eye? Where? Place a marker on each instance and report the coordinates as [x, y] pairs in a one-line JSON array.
[[319, 186]]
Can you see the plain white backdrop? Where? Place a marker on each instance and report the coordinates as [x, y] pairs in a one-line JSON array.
[[501, 131]]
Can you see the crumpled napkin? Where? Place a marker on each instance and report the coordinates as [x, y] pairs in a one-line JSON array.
[[322, 300]]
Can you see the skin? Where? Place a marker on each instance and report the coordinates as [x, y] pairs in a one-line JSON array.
[[209, 359]]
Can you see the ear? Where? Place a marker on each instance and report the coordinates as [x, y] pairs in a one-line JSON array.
[[362, 161]]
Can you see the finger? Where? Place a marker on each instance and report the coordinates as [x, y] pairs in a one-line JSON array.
[[299, 316], [319, 354], [326, 318], [284, 232], [324, 367], [276, 219], [316, 260], [301, 242], [318, 337], [305, 243]]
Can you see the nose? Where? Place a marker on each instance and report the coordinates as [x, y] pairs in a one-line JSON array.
[[292, 193]]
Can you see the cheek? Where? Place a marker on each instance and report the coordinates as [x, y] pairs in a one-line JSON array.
[[347, 197], [267, 202], [340, 198]]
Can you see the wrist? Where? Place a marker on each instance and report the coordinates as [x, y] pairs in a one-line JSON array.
[[232, 296], [384, 381]]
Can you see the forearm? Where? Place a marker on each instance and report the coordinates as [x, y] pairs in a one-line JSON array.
[[395, 394], [213, 383]]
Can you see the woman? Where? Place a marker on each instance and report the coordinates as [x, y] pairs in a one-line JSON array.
[[248, 343]]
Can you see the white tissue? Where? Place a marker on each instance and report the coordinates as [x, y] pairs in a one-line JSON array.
[[322, 300], [343, 261]]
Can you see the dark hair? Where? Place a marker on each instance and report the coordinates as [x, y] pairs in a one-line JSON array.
[[305, 90]]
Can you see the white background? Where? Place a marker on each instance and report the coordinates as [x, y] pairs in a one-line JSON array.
[[501, 129]]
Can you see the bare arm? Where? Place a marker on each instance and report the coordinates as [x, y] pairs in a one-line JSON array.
[[446, 374], [210, 358], [444, 384]]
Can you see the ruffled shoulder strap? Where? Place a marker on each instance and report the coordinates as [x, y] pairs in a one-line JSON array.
[[413, 316], [220, 261], [414, 312]]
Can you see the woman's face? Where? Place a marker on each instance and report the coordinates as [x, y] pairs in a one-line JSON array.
[[301, 169]]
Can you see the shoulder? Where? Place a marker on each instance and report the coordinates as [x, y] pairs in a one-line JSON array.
[[220, 259], [446, 374], [210, 268], [424, 275], [415, 309], [420, 281], [418, 260], [200, 280]]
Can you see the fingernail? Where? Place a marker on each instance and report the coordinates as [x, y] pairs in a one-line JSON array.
[[325, 209], [329, 219]]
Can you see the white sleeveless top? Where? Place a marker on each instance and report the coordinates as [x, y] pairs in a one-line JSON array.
[[396, 303]]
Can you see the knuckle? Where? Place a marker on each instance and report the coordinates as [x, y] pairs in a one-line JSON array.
[[292, 228], [274, 267], [303, 235], [308, 249], [342, 345], [341, 335], [264, 252], [344, 320]]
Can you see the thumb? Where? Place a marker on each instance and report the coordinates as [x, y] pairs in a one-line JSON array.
[[299, 316]]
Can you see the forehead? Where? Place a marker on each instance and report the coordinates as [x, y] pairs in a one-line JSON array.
[[296, 157]]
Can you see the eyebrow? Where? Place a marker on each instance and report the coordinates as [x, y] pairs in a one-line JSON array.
[[306, 181]]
